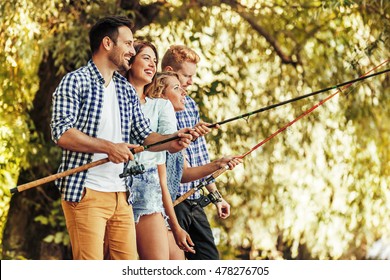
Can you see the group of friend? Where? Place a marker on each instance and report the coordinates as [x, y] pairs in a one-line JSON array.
[[115, 103]]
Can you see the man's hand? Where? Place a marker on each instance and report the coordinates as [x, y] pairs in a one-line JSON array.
[[75, 140], [231, 161], [202, 128], [185, 137], [120, 152], [223, 209]]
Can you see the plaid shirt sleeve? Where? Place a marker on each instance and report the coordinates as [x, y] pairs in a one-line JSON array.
[[197, 153], [65, 106], [139, 125], [71, 109]]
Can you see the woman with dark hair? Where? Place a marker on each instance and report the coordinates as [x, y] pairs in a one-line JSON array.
[[148, 193], [151, 200]]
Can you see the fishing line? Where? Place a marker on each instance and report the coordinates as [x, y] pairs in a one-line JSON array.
[[223, 169]]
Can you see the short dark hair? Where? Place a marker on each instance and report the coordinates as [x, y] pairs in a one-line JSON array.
[[107, 26]]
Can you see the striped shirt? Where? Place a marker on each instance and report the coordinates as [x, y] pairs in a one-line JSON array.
[[77, 103], [197, 153]]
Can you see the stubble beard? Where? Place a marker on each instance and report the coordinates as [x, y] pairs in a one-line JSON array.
[[122, 65]]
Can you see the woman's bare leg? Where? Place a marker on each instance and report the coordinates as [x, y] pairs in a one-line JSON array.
[[152, 237]]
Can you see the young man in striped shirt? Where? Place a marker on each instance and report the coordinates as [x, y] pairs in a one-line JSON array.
[[190, 214]]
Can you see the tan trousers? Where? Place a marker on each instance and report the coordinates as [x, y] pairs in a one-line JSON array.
[[96, 215]]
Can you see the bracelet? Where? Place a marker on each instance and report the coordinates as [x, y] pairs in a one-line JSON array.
[[215, 196]]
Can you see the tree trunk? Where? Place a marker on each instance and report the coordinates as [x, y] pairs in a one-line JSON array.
[[23, 236]]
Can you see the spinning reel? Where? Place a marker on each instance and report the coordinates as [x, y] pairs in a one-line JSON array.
[[132, 170]]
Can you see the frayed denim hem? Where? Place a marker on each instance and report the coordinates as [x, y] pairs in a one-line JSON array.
[[145, 212]]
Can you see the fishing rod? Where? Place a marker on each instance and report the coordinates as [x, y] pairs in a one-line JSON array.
[[223, 169], [299, 98], [84, 167], [68, 172], [361, 78], [145, 147]]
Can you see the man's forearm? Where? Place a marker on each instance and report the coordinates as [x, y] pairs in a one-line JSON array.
[[155, 138], [75, 140], [211, 187]]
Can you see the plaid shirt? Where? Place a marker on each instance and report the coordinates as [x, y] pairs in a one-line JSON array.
[[77, 103], [197, 153]]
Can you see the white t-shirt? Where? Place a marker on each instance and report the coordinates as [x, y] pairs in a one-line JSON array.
[[162, 118], [105, 177]]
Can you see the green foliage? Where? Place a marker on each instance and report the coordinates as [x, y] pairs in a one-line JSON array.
[[18, 83], [56, 223], [31, 30]]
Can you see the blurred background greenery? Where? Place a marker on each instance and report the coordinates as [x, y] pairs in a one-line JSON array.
[[319, 190]]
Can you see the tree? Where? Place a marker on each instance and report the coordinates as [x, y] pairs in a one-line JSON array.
[[319, 190]]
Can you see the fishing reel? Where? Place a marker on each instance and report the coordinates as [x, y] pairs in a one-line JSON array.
[[132, 170], [212, 197]]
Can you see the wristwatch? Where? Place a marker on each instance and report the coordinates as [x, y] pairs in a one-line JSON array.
[[215, 196]]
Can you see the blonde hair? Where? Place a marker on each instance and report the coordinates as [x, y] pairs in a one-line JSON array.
[[159, 84], [176, 55]]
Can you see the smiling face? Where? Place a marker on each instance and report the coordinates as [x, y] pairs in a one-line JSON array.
[[143, 67], [175, 93], [122, 49]]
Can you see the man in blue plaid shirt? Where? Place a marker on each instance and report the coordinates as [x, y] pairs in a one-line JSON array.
[[190, 214], [96, 113]]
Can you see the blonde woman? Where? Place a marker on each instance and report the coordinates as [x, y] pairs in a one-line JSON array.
[[167, 86]]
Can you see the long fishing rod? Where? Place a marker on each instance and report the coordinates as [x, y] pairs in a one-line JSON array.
[[84, 167], [299, 98], [223, 169], [145, 147], [68, 172], [361, 78]]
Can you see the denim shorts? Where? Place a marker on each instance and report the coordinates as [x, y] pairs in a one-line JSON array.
[[146, 194]]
